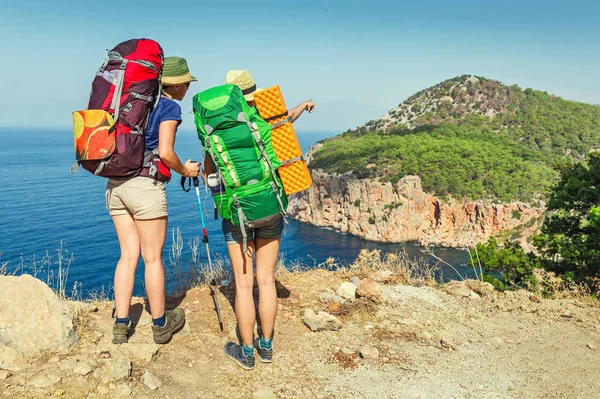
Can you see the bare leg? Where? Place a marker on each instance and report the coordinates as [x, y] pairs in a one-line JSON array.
[[152, 235], [267, 250], [125, 271], [245, 312]]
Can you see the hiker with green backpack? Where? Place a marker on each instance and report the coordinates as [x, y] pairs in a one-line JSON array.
[[240, 167]]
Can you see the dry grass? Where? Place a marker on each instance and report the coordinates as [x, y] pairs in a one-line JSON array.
[[82, 321], [51, 269], [3, 268], [361, 307], [404, 269], [549, 285]]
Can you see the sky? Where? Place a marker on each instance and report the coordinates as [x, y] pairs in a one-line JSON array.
[[355, 59]]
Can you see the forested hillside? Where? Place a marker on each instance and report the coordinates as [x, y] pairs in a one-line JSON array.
[[469, 137]]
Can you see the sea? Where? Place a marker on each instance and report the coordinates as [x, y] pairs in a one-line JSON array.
[[51, 219]]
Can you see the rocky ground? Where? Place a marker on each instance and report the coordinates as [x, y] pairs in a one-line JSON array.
[[382, 340]]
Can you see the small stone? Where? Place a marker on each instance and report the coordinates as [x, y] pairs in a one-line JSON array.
[[321, 321], [116, 369], [356, 281], [104, 355], [498, 340], [383, 276], [369, 352], [190, 365], [151, 381], [145, 319], [111, 386], [347, 291], [44, 380], [103, 390], [534, 298], [474, 295], [408, 322], [426, 335], [368, 288], [326, 296], [4, 374], [143, 352], [591, 346], [333, 307], [348, 351], [448, 343], [185, 331], [457, 288], [82, 368], [264, 394], [59, 393], [122, 391], [68, 364], [54, 359]]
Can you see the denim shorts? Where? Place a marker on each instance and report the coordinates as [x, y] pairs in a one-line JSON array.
[[233, 234]]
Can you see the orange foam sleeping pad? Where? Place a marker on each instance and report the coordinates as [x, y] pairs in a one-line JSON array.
[[295, 175]]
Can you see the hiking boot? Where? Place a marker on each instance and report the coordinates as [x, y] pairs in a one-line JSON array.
[[121, 332], [175, 321], [235, 352], [264, 355]]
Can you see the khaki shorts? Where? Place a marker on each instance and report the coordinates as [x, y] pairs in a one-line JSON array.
[[140, 197]]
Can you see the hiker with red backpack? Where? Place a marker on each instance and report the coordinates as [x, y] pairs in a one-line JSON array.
[[129, 136], [138, 207]]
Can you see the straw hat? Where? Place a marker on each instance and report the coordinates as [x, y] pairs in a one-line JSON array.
[[176, 72], [243, 80]]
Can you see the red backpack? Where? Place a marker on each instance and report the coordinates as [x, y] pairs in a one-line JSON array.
[[109, 135]]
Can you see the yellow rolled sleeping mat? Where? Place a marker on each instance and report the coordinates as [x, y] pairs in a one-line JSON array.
[[293, 172]]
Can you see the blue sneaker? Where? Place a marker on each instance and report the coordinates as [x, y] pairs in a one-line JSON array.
[[264, 355], [236, 353]]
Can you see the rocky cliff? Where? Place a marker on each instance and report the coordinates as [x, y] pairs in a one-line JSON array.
[[403, 212]]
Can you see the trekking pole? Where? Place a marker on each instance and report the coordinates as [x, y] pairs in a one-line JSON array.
[[213, 282]]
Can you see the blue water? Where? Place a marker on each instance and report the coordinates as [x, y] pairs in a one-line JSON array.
[[42, 204]]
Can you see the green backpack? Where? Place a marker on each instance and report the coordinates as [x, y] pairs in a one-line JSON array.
[[239, 144]]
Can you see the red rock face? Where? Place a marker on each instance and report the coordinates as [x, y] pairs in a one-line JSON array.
[[403, 212]]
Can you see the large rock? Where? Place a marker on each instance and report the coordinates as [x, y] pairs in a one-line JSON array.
[[321, 321], [32, 319]]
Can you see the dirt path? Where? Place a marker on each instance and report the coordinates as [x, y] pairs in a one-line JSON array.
[[419, 342]]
